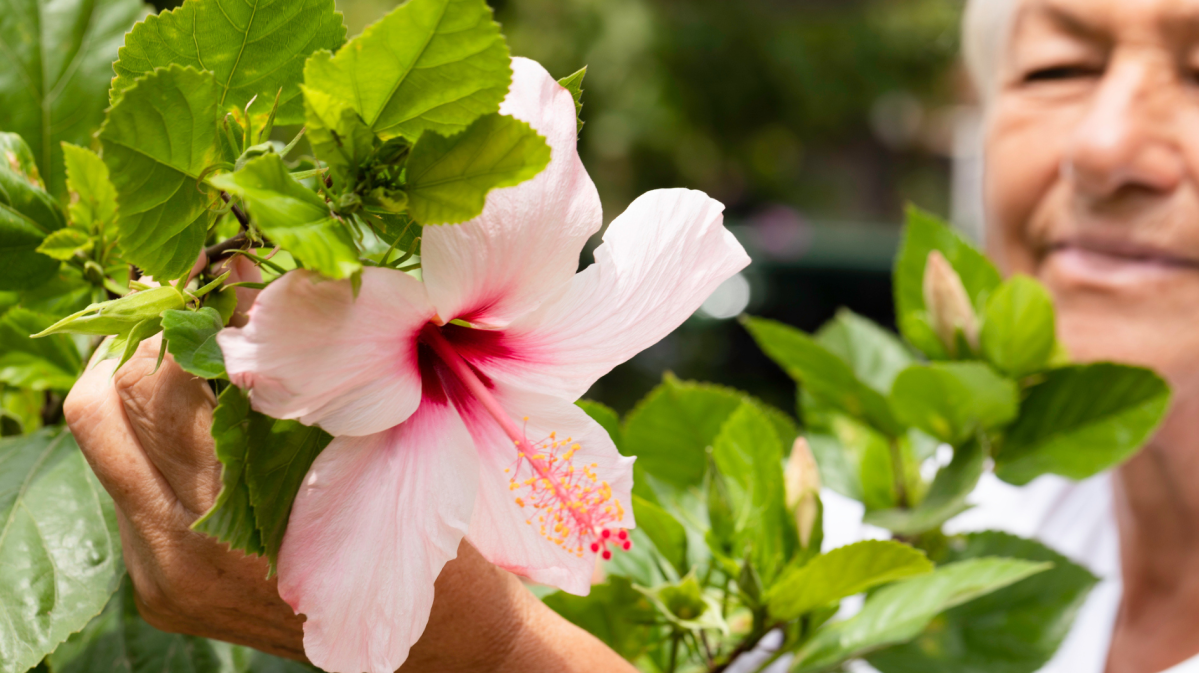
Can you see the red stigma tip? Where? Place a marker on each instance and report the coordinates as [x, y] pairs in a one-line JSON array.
[[607, 555], [606, 534], [628, 544], [594, 546], [624, 535]]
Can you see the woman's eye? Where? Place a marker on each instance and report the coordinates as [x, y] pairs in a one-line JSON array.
[[1060, 72]]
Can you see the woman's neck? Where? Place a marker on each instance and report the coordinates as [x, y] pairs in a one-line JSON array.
[[1156, 506]]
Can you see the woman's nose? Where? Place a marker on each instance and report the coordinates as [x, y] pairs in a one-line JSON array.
[[1126, 139]]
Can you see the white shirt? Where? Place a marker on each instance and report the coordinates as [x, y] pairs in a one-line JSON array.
[[1073, 518]]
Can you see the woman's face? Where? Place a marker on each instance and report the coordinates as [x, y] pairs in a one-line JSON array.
[[1092, 176]]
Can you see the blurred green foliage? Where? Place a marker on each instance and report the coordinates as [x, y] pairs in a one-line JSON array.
[[831, 106]]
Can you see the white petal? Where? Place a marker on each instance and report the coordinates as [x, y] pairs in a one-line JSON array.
[[528, 239], [313, 352], [659, 261], [376, 520]]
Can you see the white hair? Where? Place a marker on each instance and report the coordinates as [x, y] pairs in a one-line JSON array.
[[986, 27]]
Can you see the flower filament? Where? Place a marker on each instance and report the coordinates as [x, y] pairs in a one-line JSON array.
[[568, 502]]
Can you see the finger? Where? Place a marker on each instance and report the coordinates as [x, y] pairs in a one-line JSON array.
[[97, 419], [241, 270], [170, 412]]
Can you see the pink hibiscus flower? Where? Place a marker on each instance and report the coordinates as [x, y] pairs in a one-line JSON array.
[[468, 429]]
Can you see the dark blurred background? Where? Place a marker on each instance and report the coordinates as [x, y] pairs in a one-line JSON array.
[[813, 121]]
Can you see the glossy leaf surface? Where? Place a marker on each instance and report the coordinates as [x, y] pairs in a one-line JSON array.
[[59, 546], [844, 572], [448, 178], [429, 65], [1081, 420], [252, 48], [1014, 630], [293, 216], [58, 65], [159, 138]]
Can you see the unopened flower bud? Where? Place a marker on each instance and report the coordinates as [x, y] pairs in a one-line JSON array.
[[801, 480], [948, 304], [119, 316]]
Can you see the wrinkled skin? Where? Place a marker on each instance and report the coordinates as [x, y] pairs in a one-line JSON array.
[[146, 435], [1092, 186]]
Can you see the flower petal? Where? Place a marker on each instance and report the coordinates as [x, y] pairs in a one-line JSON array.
[[659, 261], [527, 241], [498, 527], [313, 352], [376, 520]]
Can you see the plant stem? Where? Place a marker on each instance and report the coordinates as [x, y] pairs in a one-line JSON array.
[[217, 251], [901, 489], [237, 212], [674, 652]]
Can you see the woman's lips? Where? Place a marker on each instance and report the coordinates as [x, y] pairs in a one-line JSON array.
[[1112, 265]]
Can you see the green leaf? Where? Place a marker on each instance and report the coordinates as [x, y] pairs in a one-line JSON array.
[[191, 340], [668, 535], [574, 84], [1013, 630], [875, 355], [27, 215], [54, 84], [231, 518], [670, 429], [615, 612], [429, 65], [65, 293], [608, 419], [953, 400], [278, 458], [93, 198], [337, 134], [946, 498], [126, 344], [264, 462], [293, 216], [822, 373], [38, 364], [1081, 420], [1018, 327], [900, 612], [119, 316], [60, 551], [64, 243], [120, 641], [841, 573], [402, 231], [252, 48], [449, 178], [923, 234], [159, 137], [749, 456]]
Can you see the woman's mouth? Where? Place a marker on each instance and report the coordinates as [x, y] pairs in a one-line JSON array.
[[1112, 264]]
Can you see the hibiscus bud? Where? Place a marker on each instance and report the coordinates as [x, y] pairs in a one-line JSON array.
[[948, 304], [119, 316], [801, 481]]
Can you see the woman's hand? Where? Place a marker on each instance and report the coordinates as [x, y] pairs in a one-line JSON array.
[[146, 435], [147, 438]]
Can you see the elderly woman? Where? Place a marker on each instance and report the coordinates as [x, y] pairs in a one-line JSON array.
[[1092, 186]]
